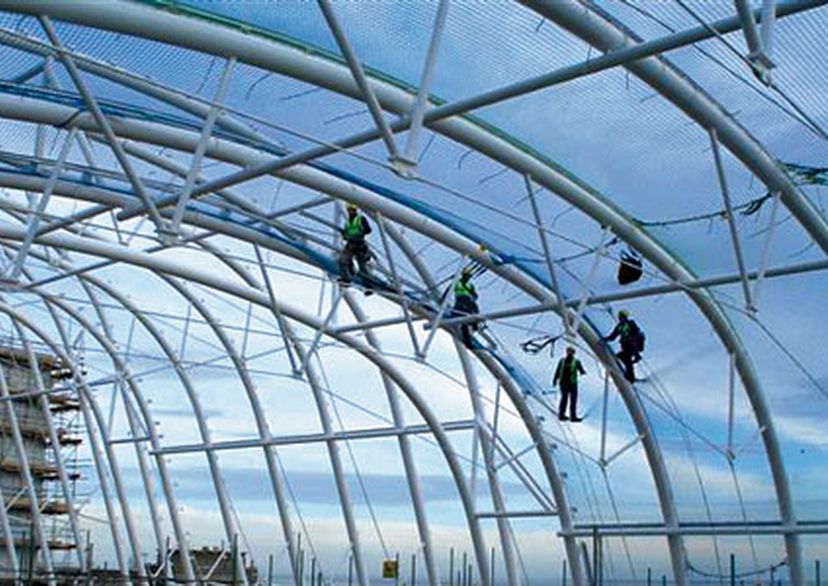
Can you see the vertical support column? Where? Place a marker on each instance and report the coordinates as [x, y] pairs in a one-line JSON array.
[[767, 26], [359, 77], [604, 410], [201, 148], [318, 336], [40, 208], [277, 313], [397, 285], [103, 123], [731, 395], [731, 220], [132, 419], [587, 283], [444, 303], [418, 109], [550, 264], [752, 39]]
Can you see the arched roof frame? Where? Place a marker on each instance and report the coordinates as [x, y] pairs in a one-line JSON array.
[[742, 368], [482, 564], [178, 139]]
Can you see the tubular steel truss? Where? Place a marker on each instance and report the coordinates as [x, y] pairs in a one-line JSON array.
[[40, 248]]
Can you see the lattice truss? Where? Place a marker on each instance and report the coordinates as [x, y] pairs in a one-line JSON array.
[[174, 177]]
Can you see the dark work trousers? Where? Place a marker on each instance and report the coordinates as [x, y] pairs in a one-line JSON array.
[[569, 393], [628, 357], [464, 306], [354, 249]]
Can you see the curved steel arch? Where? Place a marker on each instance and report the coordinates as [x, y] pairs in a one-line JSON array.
[[140, 449], [745, 370], [220, 334], [392, 211], [84, 392], [392, 232], [124, 372], [260, 298], [92, 418]]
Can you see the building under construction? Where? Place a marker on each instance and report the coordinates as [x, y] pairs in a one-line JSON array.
[[422, 292], [38, 427]]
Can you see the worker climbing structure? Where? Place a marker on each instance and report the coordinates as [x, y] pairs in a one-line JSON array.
[[444, 293]]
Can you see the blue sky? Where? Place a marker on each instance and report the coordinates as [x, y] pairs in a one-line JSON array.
[[612, 132]]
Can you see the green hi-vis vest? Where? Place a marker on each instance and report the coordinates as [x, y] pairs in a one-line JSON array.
[[625, 329], [570, 371], [463, 289], [353, 227]]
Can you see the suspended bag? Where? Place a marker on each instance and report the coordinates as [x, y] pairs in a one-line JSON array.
[[629, 269]]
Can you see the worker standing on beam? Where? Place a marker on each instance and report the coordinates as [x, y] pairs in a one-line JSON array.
[[632, 343], [354, 232], [567, 373], [465, 304]]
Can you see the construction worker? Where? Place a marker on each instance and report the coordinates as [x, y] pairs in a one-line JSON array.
[[354, 232], [567, 373], [465, 303], [632, 343]]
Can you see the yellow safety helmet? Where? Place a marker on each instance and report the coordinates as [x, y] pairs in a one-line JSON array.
[[351, 207], [624, 313]]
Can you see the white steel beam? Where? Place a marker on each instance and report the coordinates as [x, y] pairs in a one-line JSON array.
[[395, 279], [547, 255], [417, 113], [40, 208], [768, 21], [101, 120], [698, 529], [359, 77], [132, 420], [201, 148], [586, 285], [763, 261], [404, 442], [731, 220], [754, 43], [311, 438], [435, 322], [277, 314], [484, 440]]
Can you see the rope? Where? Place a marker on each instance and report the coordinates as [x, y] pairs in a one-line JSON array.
[[360, 480], [772, 568]]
